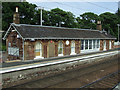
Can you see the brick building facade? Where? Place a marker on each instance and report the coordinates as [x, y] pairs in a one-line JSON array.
[[28, 42]]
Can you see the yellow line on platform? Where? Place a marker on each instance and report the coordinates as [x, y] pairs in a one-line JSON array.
[[12, 61], [26, 64]]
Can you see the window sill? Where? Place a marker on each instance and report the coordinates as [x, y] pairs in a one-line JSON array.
[[73, 54], [38, 57], [60, 54]]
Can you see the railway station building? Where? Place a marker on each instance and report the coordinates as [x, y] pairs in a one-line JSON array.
[[29, 42]]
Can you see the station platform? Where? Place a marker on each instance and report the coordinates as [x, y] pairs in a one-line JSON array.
[[12, 63], [21, 65]]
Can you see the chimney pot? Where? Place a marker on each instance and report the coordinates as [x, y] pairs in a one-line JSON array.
[[16, 18], [99, 26], [98, 22], [16, 9]]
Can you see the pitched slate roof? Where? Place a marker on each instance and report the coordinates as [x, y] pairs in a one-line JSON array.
[[48, 32]]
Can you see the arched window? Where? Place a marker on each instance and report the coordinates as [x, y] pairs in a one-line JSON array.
[[38, 49], [60, 48], [104, 45], [72, 47], [109, 44]]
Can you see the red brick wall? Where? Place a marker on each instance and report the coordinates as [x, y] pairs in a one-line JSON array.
[[67, 48], [29, 50], [77, 46], [101, 45], [15, 42], [113, 43], [107, 44]]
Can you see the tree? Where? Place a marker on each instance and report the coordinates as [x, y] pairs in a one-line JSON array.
[[109, 22], [62, 18], [88, 20], [26, 10]]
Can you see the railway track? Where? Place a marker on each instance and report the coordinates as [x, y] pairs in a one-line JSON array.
[[68, 75], [109, 81]]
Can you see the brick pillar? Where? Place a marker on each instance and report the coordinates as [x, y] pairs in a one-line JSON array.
[[56, 48], [101, 45], [44, 48], [77, 47], [107, 44], [112, 44], [67, 48], [64, 51], [80, 45]]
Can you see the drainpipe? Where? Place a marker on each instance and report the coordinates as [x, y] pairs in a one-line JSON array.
[[23, 49]]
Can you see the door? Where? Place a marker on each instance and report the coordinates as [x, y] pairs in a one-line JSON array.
[[51, 49]]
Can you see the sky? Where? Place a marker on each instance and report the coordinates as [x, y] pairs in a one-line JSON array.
[[78, 7]]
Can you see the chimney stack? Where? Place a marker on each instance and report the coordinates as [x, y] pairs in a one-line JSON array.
[[16, 18], [99, 26]]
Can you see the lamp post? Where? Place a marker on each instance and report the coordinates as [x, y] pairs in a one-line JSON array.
[[118, 32], [39, 7]]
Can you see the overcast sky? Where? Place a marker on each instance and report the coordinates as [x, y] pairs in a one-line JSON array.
[[78, 7]]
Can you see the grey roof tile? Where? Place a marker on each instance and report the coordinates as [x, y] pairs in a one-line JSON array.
[[48, 32]]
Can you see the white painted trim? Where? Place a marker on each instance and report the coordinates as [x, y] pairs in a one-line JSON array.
[[23, 50], [38, 57], [7, 32], [110, 44], [71, 38], [73, 53], [104, 45], [60, 55], [18, 32]]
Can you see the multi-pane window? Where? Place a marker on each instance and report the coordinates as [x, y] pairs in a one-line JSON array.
[[60, 48], [86, 44], [82, 44], [90, 44], [73, 47], [13, 51]]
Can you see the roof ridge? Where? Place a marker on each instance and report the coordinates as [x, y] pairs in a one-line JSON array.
[[54, 27]]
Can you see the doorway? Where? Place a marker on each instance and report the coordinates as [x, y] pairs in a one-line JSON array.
[[51, 49]]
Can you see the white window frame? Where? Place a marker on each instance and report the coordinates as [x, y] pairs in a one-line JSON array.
[[38, 48], [104, 45], [91, 44], [59, 47], [72, 48], [82, 44], [94, 49], [13, 51], [110, 44]]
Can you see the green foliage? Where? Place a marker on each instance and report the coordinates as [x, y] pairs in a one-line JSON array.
[[109, 22], [26, 10], [3, 48], [57, 17], [88, 20]]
